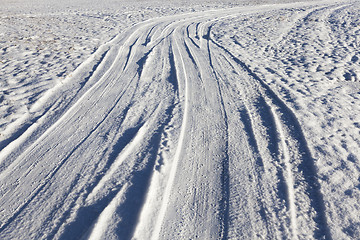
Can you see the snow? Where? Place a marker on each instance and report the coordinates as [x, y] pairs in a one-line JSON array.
[[179, 120]]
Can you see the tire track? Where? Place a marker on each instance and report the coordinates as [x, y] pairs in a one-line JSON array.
[[224, 207], [53, 173], [167, 77], [158, 181], [71, 103], [302, 165], [138, 179], [246, 117], [50, 175], [167, 192]]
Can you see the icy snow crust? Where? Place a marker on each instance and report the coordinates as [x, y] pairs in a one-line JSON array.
[[175, 120]]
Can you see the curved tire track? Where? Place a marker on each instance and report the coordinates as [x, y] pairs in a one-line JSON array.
[[175, 137]]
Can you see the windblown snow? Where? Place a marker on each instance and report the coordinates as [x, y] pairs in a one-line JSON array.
[[178, 120]]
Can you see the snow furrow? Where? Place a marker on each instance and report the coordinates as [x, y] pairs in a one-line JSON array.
[[174, 165], [299, 157], [224, 202], [249, 116], [192, 126]]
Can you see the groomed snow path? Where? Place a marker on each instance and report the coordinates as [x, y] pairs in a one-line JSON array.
[[196, 126]]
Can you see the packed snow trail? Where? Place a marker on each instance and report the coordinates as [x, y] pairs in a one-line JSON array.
[[173, 135]]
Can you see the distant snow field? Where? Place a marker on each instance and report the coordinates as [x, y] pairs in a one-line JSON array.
[[179, 120]]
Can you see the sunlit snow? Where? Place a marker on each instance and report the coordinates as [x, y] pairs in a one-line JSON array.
[[179, 119]]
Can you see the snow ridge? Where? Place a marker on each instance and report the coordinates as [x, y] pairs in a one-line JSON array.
[[196, 126]]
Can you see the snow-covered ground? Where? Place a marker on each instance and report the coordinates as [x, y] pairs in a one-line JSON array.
[[179, 120]]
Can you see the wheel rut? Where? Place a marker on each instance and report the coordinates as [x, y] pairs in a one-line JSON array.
[[175, 137]]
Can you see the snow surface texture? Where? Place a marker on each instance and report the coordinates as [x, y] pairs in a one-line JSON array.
[[208, 121]]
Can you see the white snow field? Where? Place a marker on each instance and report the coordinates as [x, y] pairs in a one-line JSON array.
[[179, 120]]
